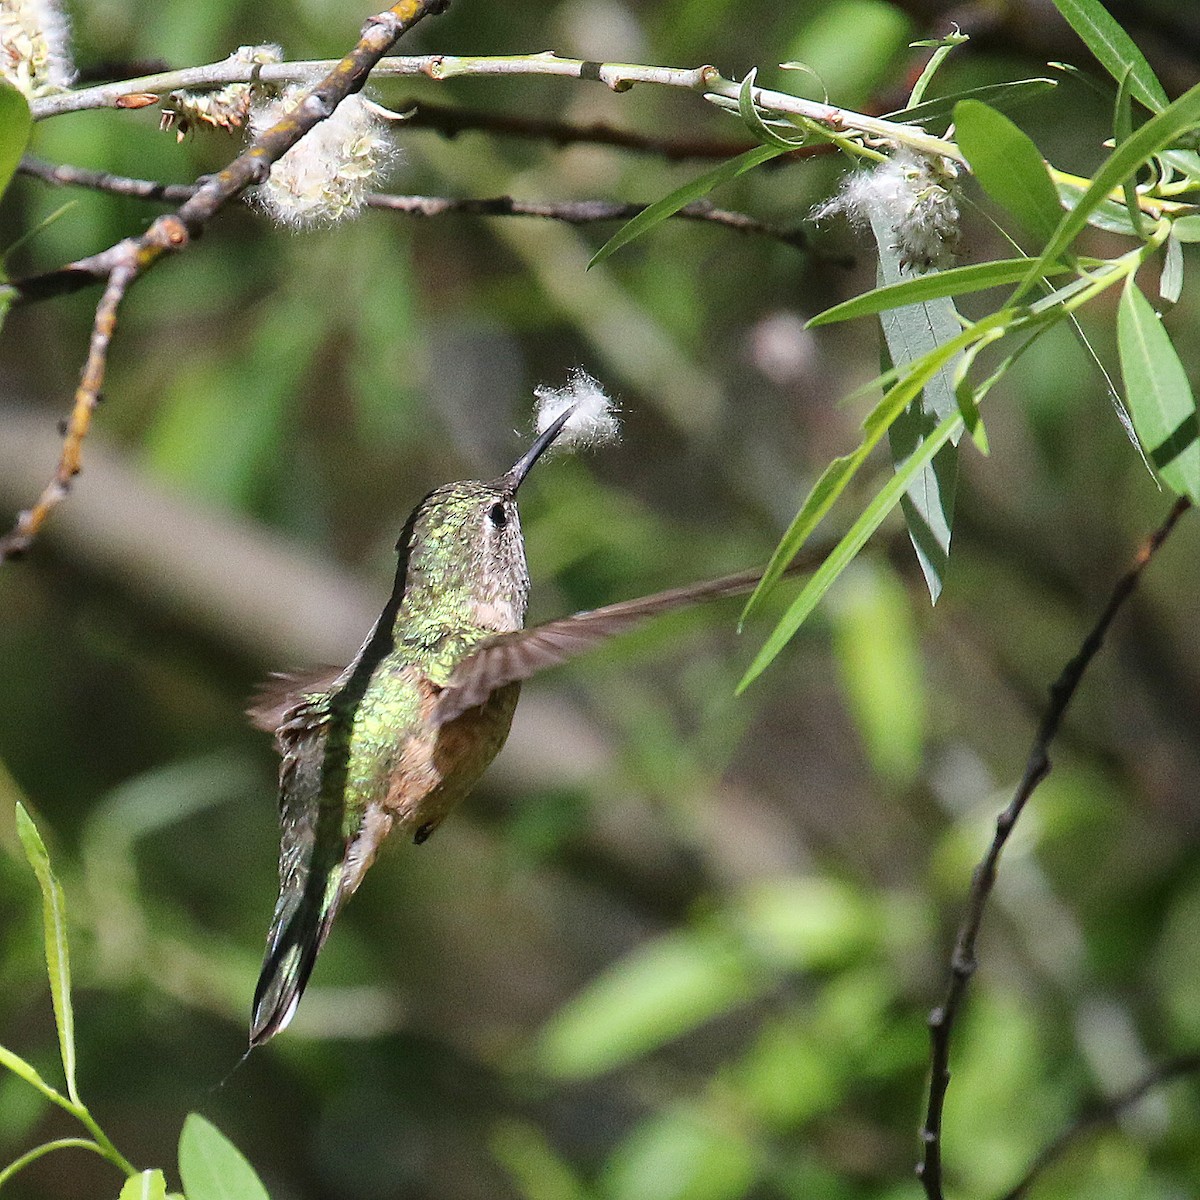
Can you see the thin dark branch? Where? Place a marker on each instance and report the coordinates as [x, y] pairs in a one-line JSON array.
[[1105, 1112], [582, 212], [121, 265], [574, 212], [451, 120], [1037, 767]]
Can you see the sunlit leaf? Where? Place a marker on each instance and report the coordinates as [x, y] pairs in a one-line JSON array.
[[681, 1155], [145, 1185], [212, 1167], [1114, 49], [58, 962], [957, 281], [16, 124], [1009, 167], [1160, 398], [1161, 130], [660, 210], [26, 1071], [537, 1170], [1186, 229], [874, 640], [662, 990]]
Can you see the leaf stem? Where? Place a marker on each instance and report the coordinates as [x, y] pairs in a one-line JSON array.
[[31, 1156]]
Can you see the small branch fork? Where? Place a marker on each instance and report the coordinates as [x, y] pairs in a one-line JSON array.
[[120, 265], [573, 212], [1104, 1113], [1037, 767]]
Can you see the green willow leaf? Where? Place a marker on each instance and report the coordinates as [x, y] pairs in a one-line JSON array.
[[1122, 130], [212, 1167], [1186, 229], [910, 332], [660, 210], [1170, 282], [26, 1071], [757, 126], [845, 551], [1160, 398], [840, 471], [58, 961], [1009, 167], [145, 1185], [958, 281], [16, 124], [999, 95], [1114, 49], [1161, 130]]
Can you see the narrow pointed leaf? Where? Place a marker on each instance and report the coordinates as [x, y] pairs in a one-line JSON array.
[[212, 1167], [1161, 130], [16, 124], [1003, 96], [26, 1071], [1160, 398], [660, 210], [755, 123], [1114, 49], [958, 281], [910, 332], [1009, 167], [58, 962], [844, 552], [838, 474], [1170, 282]]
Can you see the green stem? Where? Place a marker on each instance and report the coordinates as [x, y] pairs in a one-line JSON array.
[[103, 1143], [31, 1156]]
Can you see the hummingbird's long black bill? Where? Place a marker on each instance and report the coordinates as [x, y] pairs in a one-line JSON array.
[[544, 441]]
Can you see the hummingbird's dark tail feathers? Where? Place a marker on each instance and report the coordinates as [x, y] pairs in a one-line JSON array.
[[298, 932]]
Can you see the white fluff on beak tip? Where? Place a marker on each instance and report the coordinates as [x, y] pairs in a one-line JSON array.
[[594, 421]]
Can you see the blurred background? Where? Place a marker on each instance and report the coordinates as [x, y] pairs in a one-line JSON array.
[[677, 946]]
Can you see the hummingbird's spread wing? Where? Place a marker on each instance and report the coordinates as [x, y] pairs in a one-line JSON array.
[[279, 695], [509, 657]]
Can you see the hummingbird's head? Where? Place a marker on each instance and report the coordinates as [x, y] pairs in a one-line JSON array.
[[462, 552]]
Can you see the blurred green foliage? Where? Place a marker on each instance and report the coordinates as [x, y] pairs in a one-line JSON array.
[[677, 947]]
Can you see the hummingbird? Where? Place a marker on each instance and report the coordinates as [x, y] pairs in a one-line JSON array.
[[400, 736]]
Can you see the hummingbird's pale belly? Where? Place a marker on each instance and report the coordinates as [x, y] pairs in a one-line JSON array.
[[410, 773]]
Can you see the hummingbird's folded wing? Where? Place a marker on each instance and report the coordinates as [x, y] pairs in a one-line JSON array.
[[509, 657]]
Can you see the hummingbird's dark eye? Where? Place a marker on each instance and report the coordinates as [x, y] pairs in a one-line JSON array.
[[498, 516]]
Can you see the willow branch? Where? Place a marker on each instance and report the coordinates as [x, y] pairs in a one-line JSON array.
[[619, 77], [1037, 767], [1106, 1112], [121, 265], [572, 212]]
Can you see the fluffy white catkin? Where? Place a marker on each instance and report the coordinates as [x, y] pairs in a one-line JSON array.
[[594, 421]]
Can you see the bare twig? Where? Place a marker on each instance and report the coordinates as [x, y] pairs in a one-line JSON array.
[[1037, 767], [574, 212], [122, 264], [1105, 1112]]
